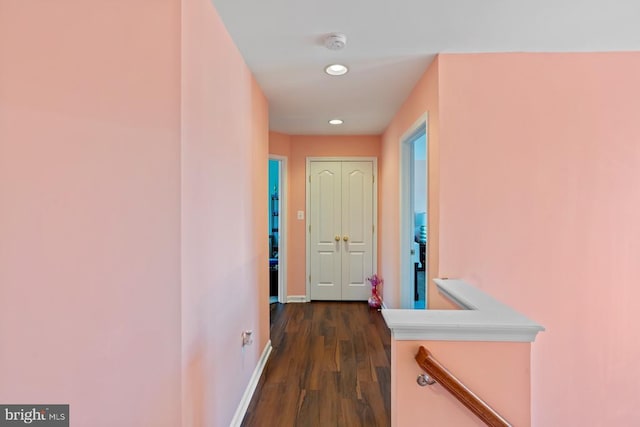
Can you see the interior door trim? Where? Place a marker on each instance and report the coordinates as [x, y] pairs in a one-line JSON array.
[[308, 204]]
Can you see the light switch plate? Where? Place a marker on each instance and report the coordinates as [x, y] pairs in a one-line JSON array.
[[300, 214]]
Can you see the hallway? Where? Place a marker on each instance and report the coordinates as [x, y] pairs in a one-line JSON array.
[[330, 366]]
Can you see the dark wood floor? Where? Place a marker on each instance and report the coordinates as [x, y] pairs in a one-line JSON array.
[[330, 366]]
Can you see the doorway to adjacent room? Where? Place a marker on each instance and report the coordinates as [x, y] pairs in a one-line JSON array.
[[414, 171], [277, 229]]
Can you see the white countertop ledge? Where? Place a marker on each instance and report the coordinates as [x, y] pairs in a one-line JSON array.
[[481, 318]]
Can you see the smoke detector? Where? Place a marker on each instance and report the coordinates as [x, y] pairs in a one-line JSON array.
[[335, 41]]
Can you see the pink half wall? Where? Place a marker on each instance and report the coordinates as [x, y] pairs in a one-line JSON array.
[[497, 372], [539, 206]]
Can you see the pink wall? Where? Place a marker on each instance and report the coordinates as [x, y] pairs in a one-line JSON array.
[[90, 209], [116, 179], [301, 147], [423, 98], [224, 221], [498, 373], [539, 203], [280, 144]]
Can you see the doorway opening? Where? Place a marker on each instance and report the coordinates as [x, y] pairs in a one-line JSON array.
[[414, 172], [277, 229]]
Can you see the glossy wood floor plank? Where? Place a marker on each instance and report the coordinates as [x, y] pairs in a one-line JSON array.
[[330, 366]]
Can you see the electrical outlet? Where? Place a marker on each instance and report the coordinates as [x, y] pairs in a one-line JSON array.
[[246, 338]]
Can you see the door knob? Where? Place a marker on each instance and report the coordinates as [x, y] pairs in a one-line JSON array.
[[345, 238], [337, 237]]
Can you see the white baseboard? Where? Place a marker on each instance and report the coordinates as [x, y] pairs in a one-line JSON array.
[[251, 387], [296, 298]]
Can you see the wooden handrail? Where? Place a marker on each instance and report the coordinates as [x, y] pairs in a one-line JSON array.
[[453, 385]]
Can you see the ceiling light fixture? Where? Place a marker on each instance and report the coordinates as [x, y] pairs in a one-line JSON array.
[[336, 122], [336, 69]]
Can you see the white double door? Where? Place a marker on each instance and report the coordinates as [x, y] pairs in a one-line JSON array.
[[341, 229]]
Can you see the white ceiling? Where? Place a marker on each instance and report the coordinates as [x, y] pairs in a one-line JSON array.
[[391, 43]]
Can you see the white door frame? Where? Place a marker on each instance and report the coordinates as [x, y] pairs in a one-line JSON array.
[[308, 207], [283, 186], [416, 130]]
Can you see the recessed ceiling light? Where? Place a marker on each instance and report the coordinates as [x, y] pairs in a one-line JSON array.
[[335, 122], [336, 69]]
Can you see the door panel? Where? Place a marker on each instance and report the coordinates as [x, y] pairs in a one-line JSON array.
[[325, 221], [357, 225], [357, 269]]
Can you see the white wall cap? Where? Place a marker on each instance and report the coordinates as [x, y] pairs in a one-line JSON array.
[[481, 318]]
